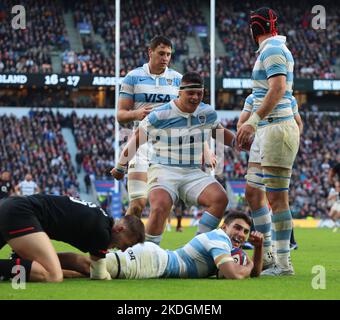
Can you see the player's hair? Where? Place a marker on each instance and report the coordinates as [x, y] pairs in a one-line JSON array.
[[157, 40], [192, 77], [233, 215], [135, 228]]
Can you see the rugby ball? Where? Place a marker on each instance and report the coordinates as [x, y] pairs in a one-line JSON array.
[[239, 256]]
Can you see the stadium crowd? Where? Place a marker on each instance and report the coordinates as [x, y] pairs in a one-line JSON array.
[[35, 145], [314, 51], [28, 50]]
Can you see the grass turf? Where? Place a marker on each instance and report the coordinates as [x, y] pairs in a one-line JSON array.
[[316, 247]]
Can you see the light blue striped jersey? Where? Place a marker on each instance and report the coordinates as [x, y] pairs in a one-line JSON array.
[[147, 89], [249, 102], [197, 258], [274, 58], [177, 137]]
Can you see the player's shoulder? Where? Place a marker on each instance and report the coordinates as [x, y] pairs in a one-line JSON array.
[[133, 75], [174, 73], [162, 112], [206, 108]]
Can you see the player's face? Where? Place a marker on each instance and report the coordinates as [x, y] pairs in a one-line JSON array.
[[123, 241], [238, 232], [190, 99], [160, 58]]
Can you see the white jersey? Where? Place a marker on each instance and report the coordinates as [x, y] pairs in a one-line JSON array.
[[197, 258], [27, 188], [178, 137], [147, 89], [147, 260], [274, 59]]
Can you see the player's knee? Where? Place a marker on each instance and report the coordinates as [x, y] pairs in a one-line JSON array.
[[55, 276]]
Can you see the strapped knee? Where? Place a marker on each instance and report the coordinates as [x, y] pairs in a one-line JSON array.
[[276, 179], [137, 189], [255, 178]]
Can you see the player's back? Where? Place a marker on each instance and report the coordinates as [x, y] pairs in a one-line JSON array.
[[196, 258], [79, 223], [274, 59]]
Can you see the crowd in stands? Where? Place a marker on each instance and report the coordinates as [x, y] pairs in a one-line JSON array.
[[314, 51], [35, 145], [95, 140], [28, 50]]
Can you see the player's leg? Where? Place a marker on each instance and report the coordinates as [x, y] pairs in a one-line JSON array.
[[137, 188], [214, 198], [37, 248], [160, 207], [256, 197], [279, 146]]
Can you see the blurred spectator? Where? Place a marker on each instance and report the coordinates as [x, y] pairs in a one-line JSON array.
[[27, 187]]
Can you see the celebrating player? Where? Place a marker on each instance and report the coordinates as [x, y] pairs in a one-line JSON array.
[[270, 165], [178, 131], [28, 223], [205, 255], [143, 89]]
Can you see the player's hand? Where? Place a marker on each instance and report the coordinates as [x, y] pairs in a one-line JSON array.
[[117, 175], [213, 160], [245, 136], [256, 239], [143, 112]]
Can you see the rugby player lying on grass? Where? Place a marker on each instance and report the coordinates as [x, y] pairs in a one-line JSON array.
[[206, 255]]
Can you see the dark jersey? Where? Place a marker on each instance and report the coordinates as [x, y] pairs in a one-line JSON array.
[[5, 189], [79, 223]]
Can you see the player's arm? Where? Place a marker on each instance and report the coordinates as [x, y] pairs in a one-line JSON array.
[[98, 270], [244, 116], [126, 113], [209, 157], [256, 239], [229, 137], [299, 122], [228, 269], [138, 138]]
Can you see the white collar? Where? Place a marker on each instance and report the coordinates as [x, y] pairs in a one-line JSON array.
[[146, 68], [264, 43], [181, 113]]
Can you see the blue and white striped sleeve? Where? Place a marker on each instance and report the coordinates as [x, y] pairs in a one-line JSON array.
[[274, 61], [248, 103], [127, 87], [295, 107]]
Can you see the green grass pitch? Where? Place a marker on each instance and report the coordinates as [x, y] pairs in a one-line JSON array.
[[316, 247]]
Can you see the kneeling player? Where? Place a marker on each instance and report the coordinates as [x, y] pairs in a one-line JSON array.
[[28, 223]]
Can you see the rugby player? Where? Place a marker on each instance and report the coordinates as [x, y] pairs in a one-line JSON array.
[[27, 225]]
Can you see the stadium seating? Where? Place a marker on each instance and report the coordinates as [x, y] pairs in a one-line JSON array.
[[35, 144]]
